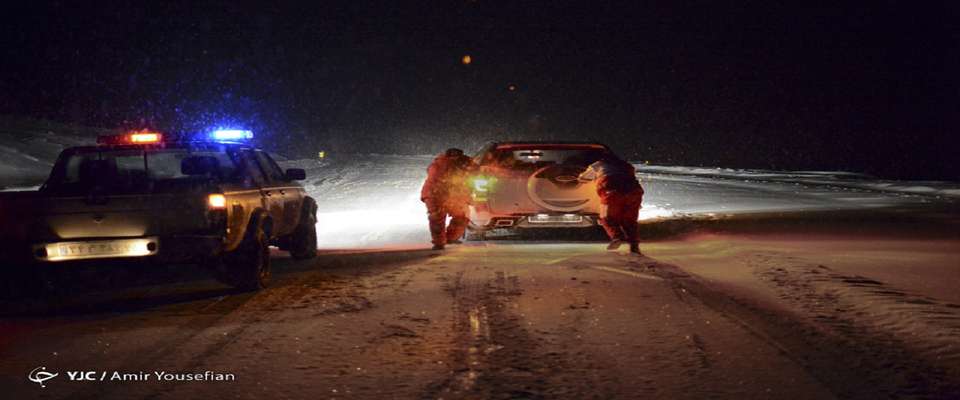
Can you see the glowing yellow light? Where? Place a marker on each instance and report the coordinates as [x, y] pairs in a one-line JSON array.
[[483, 183], [480, 184], [466, 60], [321, 154], [217, 200], [145, 137]]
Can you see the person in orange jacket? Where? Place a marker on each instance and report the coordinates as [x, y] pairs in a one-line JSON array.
[[621, 196], [446, 193]]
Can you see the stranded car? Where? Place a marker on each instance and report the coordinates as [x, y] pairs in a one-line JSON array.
[[212, 200], [534, 185]]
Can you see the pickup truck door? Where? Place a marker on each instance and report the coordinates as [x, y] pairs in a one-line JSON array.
[[272, 199], [291, 193]]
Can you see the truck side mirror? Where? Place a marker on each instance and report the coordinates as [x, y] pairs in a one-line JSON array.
[[199, 165], [295, 174]]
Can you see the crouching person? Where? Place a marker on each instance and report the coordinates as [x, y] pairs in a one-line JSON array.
[[621, 196], [446, 194]]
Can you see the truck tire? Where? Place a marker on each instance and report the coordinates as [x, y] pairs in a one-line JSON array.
[[248, 267], [303, 242]]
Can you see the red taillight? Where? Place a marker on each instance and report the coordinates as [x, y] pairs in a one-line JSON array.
[[217, 201]]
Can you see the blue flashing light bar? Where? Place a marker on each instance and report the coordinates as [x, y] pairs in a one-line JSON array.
[[231, 134]]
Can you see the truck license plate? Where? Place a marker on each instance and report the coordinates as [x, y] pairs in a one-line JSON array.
[[64, 251], [555, 219], [94, 249]]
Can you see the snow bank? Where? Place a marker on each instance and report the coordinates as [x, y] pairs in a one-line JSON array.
[[834, 179]]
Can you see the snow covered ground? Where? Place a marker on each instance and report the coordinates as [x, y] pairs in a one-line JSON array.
[[900, 290], [373, 200], [720, 317]]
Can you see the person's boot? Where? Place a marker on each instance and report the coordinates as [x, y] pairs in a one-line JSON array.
[[438, 246], [454, 241], [614, 244], [635, 249]]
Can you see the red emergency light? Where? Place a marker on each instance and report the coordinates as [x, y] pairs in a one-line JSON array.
[[145, 137], [141, 137]]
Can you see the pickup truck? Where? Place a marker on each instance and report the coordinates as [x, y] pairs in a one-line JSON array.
[[212, 200]]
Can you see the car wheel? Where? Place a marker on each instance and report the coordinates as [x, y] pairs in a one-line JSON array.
[[248, 267], [303, 241]]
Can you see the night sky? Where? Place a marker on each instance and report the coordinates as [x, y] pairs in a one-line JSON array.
[[865, 86]]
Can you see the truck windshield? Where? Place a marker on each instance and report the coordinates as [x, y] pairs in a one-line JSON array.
[[137, 170]]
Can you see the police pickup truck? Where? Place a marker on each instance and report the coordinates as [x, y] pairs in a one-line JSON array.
[[209, 199]]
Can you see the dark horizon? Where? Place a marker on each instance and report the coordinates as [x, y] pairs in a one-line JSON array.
[[753, 85]]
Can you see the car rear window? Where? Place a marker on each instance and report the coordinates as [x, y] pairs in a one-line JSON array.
[[133, 170], [524, 158]]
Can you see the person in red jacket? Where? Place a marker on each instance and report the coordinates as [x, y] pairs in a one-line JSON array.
[[446, 193], [621, 196]]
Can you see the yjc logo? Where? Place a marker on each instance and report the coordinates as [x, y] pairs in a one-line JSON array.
[[40, 375], [82, 375]]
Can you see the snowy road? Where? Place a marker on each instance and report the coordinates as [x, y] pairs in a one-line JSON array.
[[726, 317]]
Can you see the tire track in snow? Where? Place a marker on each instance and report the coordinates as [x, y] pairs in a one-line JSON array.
[[852, 360], [494, 356]]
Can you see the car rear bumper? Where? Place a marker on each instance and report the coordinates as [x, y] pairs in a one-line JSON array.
[[164, 249], [536, 220]]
